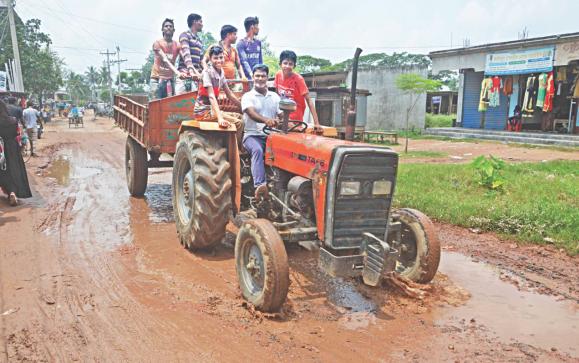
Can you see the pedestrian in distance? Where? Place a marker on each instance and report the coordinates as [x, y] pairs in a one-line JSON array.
[[190, 55], [13, 178], [30, 116], [231, 61], [290, 84], [166, 51], [249, 48]]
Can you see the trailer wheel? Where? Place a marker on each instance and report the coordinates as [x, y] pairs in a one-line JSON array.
[[136, 167], [201, 189], [262, 265], [420, 247]]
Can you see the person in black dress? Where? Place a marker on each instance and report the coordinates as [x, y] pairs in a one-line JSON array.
[[13, 178]]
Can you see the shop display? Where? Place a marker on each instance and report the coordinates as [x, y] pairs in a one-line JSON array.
[[549, 94], [541, 92], [485, 88], [530, 95]]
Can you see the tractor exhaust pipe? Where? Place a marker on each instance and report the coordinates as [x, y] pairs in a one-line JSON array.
[[351, 117]]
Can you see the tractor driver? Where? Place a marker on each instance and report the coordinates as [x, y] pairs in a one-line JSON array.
[[260, 108]]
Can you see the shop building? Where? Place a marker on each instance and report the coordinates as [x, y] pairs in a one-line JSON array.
[[540, 75]]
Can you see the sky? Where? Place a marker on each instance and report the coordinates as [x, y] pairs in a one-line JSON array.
[[82, 29]]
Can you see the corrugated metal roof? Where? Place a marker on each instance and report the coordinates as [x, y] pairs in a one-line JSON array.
[[522, 43]]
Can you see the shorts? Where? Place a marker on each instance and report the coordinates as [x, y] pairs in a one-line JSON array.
[[32, 133], [184, 86], [161, 88]]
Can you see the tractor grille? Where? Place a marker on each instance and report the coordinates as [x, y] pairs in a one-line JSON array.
[[365, 212]]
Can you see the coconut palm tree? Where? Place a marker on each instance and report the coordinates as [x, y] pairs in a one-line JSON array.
[[92, 76]]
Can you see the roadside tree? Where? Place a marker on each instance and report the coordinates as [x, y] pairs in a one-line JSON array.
[[414, 85]]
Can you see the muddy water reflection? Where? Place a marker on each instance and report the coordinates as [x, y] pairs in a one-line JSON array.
[[60, 170], [63, 170], [158, 197], [526, 317]]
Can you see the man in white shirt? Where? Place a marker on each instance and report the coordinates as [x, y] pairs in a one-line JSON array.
[[260, 108], [30, 116]]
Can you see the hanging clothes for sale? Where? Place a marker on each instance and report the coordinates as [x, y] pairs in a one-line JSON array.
[[562, 74], [484, 94], [508, 85], [495, 92], [549, 94], [542, 90], [514, 99], [575, 87], [530, 93]]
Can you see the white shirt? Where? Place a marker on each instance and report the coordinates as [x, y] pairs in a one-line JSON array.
[[266, 105], [30, 116]]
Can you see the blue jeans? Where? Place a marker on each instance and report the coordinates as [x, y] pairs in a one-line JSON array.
[[255, 145]]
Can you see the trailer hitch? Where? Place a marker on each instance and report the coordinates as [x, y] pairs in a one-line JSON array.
[[379, 257]]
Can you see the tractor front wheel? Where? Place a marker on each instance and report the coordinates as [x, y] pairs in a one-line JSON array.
[[262, 265], [419, 248]]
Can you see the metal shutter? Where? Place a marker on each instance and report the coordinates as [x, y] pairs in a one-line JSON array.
[[496, 117], [471, 118]]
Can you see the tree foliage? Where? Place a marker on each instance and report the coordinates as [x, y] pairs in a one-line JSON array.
[[447, 78], [412, 83], [403, 59], [41, 68], [308, 64]]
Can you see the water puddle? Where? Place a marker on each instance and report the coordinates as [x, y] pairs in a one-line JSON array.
[[63, 170], [159, 201], [513, 315]]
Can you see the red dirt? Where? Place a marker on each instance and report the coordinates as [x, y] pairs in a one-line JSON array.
[[461, 151], [88, 273]]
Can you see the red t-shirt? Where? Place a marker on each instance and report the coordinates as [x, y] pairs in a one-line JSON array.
[[293, 87]]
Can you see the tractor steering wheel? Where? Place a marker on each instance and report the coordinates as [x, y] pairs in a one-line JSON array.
[[268, 130], [298, 124]]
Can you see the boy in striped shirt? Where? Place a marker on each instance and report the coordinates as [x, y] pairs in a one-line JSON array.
[[191, 53]]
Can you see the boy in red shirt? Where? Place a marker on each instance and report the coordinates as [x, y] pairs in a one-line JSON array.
[[292, 85]]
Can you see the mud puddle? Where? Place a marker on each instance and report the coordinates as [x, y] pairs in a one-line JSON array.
[[63, 170], [511, 314]]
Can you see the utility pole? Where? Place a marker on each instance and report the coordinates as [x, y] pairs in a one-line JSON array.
[[18, 82], [108, 54], [118, 62]]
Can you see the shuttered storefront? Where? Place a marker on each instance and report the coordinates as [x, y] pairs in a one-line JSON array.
[[495, 117], [471, 118]]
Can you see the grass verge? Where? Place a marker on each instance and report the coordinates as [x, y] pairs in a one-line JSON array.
[[418, 154], [438, 120], [539, 203]]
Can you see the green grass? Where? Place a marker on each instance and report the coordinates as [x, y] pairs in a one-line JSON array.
[[540, 200], [417, 154], [439, 120]]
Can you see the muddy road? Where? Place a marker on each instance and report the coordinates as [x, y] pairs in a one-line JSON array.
[[88, 273]]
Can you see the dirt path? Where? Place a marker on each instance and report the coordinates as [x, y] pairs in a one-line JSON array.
[[462, 152], [87, 273]]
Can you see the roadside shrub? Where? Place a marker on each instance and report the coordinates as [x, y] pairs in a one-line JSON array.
[[438, 120], [489, 172]]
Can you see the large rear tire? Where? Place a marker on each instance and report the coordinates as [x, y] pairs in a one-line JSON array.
[[201, 189], [262, 265], [420, 247], [136, 167]]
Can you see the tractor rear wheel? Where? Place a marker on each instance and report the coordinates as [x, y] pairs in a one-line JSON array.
[[201, 189], [420, 247], [262, 265], [136, 167]]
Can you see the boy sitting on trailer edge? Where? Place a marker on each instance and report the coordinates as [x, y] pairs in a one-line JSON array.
[[212, 82]]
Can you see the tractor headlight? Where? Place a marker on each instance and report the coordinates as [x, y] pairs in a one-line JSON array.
[[382, 187], [350, 188]]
